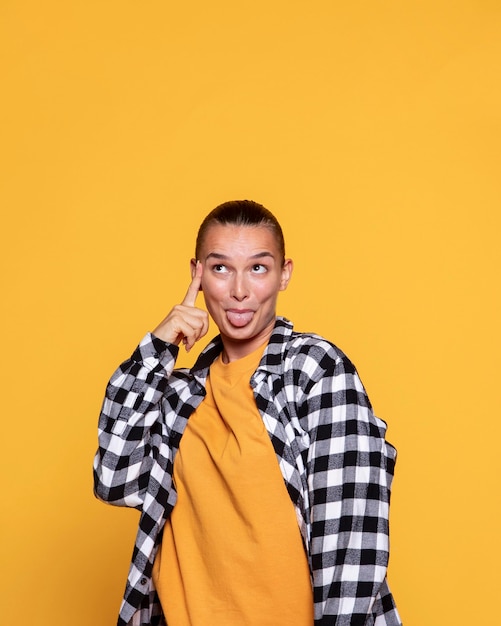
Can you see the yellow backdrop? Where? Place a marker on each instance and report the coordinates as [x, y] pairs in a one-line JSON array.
[[372, 130]]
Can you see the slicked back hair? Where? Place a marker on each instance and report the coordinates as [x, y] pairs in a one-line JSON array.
[[241, 213]]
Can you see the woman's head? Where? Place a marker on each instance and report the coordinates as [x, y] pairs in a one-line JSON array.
[[240, 247]]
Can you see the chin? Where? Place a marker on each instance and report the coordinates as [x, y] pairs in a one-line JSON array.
[[238, 333]]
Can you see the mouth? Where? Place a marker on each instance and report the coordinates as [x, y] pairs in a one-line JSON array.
[[239, 317]]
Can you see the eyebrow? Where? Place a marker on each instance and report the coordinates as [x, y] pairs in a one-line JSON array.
[[224, 257]]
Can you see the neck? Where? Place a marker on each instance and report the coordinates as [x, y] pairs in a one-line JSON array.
[[237, 349]]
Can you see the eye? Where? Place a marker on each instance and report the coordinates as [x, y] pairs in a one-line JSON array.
[[219, 268], [259, 269]]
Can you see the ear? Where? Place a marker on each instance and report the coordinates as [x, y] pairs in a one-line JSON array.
[[193, 269], [287, 268], [193, 265]]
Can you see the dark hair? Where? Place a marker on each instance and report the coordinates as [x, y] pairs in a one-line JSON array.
[[241, 213]]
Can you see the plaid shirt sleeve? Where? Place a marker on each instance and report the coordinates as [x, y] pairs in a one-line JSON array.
[[129, 422], [350, 470]]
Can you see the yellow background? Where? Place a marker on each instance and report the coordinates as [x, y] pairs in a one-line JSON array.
[[372, 129]]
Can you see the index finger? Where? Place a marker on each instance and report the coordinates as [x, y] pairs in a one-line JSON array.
[[194, 288]]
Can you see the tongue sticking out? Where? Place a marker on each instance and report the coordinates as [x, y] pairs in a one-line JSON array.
[[239, 319]]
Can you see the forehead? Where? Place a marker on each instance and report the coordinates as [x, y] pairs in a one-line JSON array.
[[232, 240]]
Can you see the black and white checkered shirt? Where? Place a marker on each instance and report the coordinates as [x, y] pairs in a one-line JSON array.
[[331, 449]]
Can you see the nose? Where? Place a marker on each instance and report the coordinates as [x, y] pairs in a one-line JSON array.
[[239, 288]]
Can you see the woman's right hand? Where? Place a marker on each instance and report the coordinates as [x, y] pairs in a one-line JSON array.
[[185, 323]]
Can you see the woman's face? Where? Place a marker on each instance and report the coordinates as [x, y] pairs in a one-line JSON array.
[[242, 276]]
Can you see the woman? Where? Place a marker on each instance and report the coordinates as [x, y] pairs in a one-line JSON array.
[[261, 474]]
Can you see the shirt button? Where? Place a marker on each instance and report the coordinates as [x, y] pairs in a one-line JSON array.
[[143, 581]]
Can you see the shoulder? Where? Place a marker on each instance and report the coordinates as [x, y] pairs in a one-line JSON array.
[[321, 373], [303, 358], [310, 358]]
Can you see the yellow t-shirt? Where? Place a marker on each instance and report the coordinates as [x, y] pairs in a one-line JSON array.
[[231, 552]]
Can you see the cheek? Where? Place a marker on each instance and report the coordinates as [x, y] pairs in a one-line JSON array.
[[267, 292], [211, 289]]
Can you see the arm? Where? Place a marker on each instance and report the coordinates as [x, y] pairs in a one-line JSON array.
[[350, 473], [131, 425]]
